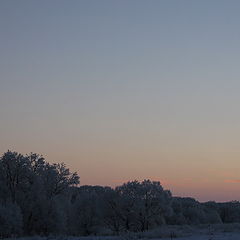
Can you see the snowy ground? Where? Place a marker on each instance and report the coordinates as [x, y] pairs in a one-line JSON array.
[[219, 236], [200, 232]]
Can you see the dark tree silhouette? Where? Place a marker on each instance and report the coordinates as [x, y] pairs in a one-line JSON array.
[[37, 197]]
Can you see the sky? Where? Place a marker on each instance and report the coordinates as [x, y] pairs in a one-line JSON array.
[[125, 90]]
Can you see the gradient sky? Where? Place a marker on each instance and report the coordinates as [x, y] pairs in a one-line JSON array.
[[124, 90]]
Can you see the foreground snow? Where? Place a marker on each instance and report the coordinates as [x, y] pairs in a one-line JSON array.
[[217, 236], [166, 232]]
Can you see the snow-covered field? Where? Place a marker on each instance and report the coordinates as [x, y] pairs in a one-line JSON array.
[[218, 236], [201, 232]]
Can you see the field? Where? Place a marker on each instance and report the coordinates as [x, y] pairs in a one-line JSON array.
[[201, 232], [218, 236]]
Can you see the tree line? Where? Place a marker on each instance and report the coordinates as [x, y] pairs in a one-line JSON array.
[[39, 198]]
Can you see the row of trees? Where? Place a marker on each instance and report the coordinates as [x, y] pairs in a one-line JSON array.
[[37, 197]]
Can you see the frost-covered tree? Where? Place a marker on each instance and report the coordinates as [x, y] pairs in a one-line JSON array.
[[86, 213], [40, 198], [10, 220], [229, 211], [147, 203], [113, 211], [38, 188], [14, 169], [189, 211]]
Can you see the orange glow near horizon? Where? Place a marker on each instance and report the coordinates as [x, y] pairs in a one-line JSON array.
[[125, 90]]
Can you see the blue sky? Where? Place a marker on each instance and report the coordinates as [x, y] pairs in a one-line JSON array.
[[145, 89]]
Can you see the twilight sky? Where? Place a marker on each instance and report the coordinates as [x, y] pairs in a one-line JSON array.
[[124, 90]]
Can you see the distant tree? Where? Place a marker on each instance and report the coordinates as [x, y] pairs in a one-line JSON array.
[[148, 201], [10, 220], [86, 214], [177, 217], [57, 179], [212, 212], [39, 188], [14, 171], [229, 211], [113, 211], [40, 198]]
